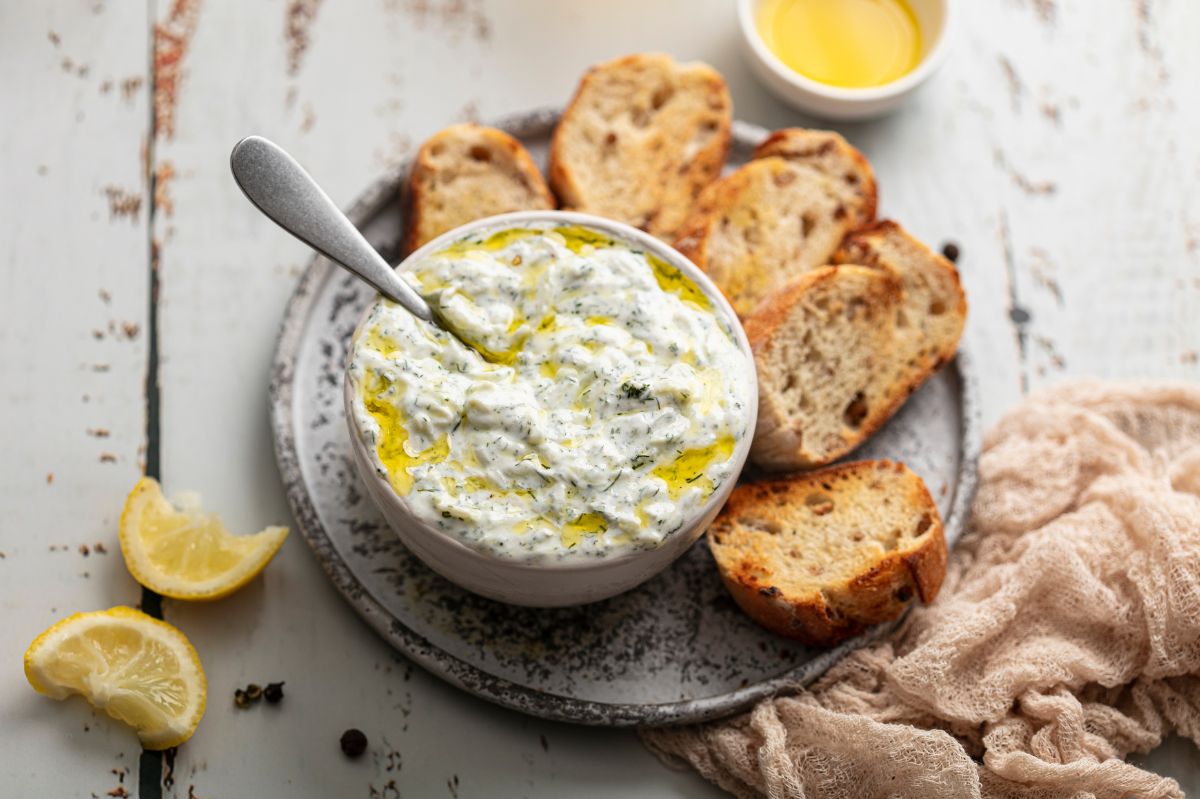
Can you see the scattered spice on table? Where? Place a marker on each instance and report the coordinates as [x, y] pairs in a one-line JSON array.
[[354, 742], [273, 693], [253, 692], [951, 251]]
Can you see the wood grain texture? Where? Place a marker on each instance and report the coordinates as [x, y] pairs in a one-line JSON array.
[[226, 273], [73, 298], [1056, 148]]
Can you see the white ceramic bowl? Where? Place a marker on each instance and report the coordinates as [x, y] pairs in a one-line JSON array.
[[552, 584], [934, 18]]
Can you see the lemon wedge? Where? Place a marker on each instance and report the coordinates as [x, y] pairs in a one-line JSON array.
[[182, 552], [135, 668]]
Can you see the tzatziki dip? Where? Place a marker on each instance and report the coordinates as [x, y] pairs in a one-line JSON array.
[[596, 410]]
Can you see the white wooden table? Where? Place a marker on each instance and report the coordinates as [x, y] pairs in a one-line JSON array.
[[1058, 148]]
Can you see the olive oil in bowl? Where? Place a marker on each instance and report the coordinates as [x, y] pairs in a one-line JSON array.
[[843, 43]]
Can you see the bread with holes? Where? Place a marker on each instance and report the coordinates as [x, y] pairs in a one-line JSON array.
[[823, 346], [821, 556], [930, 320], [780, 215], [467, 172], [639, 140]]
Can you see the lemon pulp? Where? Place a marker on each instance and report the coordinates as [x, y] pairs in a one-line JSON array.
[[848, 43], [184, 553], [139, 670]]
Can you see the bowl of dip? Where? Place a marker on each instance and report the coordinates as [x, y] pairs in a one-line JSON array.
[[589, 434], [845, 59]]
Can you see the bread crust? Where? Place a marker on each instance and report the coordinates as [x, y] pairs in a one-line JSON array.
[[686, 179], [838, 609], [863, 247], [930, 315], [693, 235], [773, 313], [507, 160], [803, 144], [782, 213], [777, 445]]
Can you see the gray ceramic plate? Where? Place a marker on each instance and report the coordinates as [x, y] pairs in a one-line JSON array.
[[674, 650]]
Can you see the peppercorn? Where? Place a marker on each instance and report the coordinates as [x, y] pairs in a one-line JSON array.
[[950, 250], [273, 693], [239, 699], [354, 743], [254, 692]]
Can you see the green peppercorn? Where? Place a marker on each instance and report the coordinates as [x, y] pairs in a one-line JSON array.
[[354, 743]]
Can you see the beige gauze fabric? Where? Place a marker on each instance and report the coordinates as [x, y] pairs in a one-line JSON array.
[[1066, 635]]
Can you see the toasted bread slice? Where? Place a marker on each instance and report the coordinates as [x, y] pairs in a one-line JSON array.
[[930, 321], [467, 172], [820, 346], [780, 215], [821, 556], [825, 396], [639, 140]]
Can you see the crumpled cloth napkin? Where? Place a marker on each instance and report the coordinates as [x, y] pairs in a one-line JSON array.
[[1066, 634]]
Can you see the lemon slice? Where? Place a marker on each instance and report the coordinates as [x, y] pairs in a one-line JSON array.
[[184, 553], [135, 668]]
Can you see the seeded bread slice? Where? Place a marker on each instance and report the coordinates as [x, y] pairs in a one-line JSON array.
[[820, 346], [467, 172], [821, 556], [639, 140], [930, 321], [780, 215]]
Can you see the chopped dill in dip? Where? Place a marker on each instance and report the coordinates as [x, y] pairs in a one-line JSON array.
[[606, 412]]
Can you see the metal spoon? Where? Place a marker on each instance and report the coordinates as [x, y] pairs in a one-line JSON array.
[[282, 189]]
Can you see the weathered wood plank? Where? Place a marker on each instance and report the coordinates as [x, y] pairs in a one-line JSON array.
[[1090, 162], [73, 294], [225, 274], [969, 161], [1051, 148]]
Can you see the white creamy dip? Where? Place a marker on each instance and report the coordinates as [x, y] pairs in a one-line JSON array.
[[606, 413]]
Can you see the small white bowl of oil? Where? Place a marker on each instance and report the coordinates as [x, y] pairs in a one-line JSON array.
[[845, 59]]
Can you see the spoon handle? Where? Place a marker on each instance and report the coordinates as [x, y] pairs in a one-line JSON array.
[[289, 196]]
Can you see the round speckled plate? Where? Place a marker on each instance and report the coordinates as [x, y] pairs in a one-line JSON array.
[[674, 650]]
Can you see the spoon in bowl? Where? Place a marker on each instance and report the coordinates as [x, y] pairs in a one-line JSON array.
[[284, 191]]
